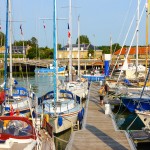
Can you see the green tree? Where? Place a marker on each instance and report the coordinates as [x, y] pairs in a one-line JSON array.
[[105, 49], [115, 47], [46, 53], [34, 42], [2, 39], [32, 53], [20, 43], [58, 46], [83, 40]]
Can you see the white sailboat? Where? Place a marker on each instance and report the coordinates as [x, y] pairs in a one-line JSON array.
[[61, 106], [80, 86], [16, 130], [17, 97]]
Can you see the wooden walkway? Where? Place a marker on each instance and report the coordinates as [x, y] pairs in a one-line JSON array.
[[98, 132]]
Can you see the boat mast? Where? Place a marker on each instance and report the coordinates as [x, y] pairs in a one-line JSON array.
[[137, 37], [70, 40], [147, 32], [55, 53], [78, 46], [10, 46], [6, 47]]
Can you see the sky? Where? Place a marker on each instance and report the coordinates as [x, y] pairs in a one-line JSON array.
[[99, 20]]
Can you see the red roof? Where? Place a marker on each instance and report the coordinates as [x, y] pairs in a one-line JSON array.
[[142, 51]]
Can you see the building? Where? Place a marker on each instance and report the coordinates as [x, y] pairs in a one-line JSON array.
[[132, 53], [16, 49], [64, 51]]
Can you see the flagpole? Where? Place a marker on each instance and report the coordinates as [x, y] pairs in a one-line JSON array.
[[70, 40], [78, 46], [10, 46]]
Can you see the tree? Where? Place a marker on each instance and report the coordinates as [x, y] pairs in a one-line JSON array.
[[34, 42], [2, 39], [46, 53], [32, 53], [58, 46], [83, 40], [115, 47], [106, 49], [20, 43]]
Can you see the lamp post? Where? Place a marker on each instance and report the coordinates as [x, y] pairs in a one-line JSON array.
[[89, 56]]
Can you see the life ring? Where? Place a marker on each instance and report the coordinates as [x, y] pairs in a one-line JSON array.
[[46, 119]]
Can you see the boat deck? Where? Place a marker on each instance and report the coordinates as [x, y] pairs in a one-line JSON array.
[[98, 131]]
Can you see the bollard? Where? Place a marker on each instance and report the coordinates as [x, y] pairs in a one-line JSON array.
[[107, 109]]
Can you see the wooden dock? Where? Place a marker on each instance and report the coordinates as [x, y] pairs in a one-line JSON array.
[[98, 131]]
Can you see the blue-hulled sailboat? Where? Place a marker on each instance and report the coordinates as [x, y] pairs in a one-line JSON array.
[[138, 100]]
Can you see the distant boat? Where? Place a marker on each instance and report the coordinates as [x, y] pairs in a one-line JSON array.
[[49, 71], [94, 77]]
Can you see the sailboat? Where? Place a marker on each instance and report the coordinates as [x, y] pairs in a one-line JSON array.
[[50, 71], [80, 86], [138, 100], [16, 130], [60, 106], [18, 97]]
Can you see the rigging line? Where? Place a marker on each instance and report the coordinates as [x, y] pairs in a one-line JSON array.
[[131, 43], [123, 44], [132, 122], [126, 16]]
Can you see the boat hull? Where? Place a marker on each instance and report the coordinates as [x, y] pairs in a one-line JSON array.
[[145, 117], [133, 104], [94, 77], [68, 120]]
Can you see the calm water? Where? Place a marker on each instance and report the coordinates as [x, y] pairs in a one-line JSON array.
[[42, 84], [126, 120]]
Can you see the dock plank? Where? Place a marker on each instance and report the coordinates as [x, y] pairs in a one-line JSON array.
[[98, 132]]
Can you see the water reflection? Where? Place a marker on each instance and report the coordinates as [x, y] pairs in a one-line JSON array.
[[62, 139]]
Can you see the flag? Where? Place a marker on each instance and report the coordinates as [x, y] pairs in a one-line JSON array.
[[69, 34], [44, 25], [68, 26], [21, 29]]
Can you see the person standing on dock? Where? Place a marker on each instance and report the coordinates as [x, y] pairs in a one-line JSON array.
[[102, 93]]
